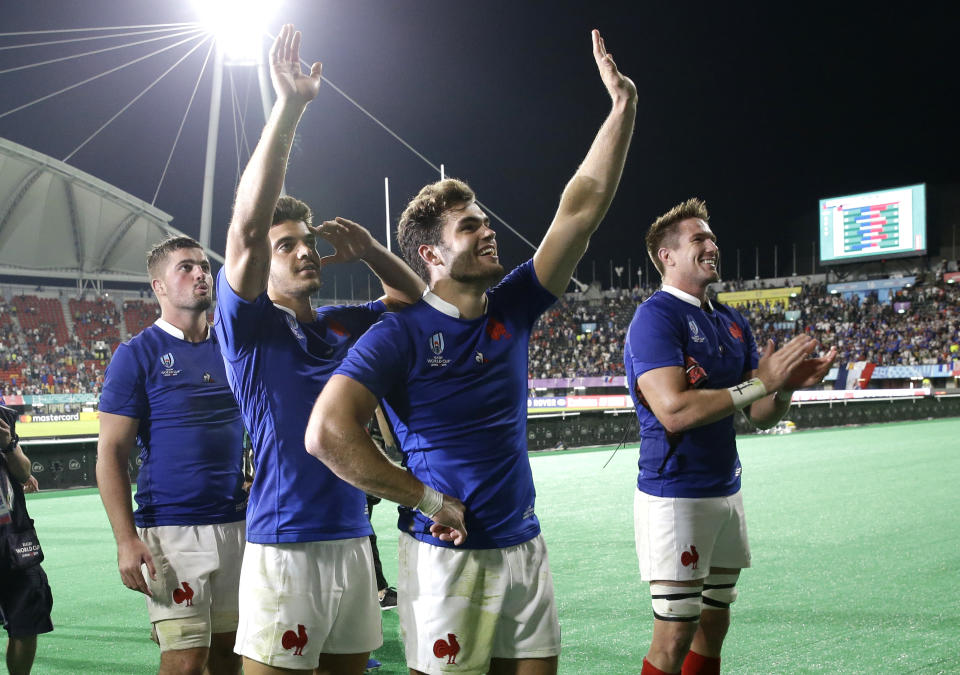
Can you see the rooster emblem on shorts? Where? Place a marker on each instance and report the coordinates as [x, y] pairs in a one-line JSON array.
[[690, 557], [449, 648], [185, 594], [295, 641]]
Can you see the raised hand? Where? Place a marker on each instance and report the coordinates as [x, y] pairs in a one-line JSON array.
[[350, 240], [776, 366], [619, 86], [289, 82], [449, 522], [810, 371]]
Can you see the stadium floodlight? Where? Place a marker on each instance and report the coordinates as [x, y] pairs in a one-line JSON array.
[[238, 25]]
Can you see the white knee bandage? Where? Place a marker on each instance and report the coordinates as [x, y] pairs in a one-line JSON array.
[[188, 633], [676, 603], [719, 591]]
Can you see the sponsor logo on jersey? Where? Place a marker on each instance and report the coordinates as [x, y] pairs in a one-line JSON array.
[[207, 378], [447, 649], [480, 358], [690, 558], [695, 333]]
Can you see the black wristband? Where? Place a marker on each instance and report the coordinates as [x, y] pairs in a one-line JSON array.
[[14, 439]]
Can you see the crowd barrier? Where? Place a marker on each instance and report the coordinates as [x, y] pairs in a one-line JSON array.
[[71, 463]]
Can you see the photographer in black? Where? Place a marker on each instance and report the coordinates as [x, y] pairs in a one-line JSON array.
[[25, 598]]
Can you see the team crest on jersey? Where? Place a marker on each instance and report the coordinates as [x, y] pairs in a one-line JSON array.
[[167, 362], [695, 333], [736, 332]]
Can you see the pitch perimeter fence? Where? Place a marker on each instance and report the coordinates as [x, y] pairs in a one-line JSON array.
[[71, 462]]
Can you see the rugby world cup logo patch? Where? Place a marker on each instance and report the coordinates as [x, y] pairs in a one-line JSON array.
[[695, 333], [167, 360], [436, 343]]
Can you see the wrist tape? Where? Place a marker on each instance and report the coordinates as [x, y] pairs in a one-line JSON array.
[[430, 503], [747, 392]]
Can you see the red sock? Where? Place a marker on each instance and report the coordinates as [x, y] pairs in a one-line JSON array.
[[698, 664], [650, 669]]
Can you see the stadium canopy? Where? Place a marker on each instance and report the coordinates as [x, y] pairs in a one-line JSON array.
[[58, 222]]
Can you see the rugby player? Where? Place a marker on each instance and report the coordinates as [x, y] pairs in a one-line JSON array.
[[165, 392], [308, 597], [691, 364], [452, 371]]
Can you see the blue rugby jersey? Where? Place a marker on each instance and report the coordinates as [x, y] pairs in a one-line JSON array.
[[277, 367], [190, 434], [456, 394], [668, 327]]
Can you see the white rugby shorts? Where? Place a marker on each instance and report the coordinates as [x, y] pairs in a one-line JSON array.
[[461, 607], [680, 539], [198, 574], [301, 600]]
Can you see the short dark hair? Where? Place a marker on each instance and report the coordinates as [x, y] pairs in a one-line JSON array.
[[665, 226], [420, 223], [289, 208], [160, 251]]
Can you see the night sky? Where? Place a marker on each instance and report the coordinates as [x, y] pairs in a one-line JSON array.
[[759, 111]]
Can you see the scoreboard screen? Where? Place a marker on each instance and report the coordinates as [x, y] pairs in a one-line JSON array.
[[872, 225]]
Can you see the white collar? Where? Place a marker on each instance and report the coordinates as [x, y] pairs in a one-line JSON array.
[[686, 297], [445, 307], [169, 328], [286, 309]]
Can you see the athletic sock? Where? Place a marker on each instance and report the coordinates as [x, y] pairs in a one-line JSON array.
[[698, 664], [650, 669]]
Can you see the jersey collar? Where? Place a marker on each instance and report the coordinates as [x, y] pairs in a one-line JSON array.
[[168, 327], [686, 297], [445, 307]]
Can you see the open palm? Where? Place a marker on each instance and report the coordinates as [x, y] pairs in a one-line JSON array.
[[289, 81]]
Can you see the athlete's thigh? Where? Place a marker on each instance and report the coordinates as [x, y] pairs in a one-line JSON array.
[[528, 628], [675, 536], [449, 602], [301, 600]]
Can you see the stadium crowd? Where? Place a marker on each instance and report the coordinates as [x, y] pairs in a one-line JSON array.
[[917, 325]]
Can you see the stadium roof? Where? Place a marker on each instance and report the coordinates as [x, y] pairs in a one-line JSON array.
[[59, 222]]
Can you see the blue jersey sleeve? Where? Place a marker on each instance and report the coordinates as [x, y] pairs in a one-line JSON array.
[[124, 391], [238, 321], [522, 290], [655, 340], [380, 358]]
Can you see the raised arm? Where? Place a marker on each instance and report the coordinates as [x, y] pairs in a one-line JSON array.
[[247, 263], [337, 437], [117, 435], [354, 242], [588, 195]]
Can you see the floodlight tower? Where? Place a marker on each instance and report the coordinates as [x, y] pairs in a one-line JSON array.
[[238, 26]]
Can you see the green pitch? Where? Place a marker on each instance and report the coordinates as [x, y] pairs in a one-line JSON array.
[[59, 429], [854, 535]]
